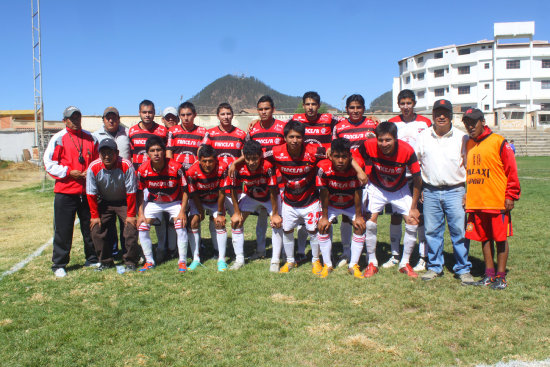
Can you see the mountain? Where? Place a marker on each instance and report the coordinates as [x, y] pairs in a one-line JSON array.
[[382, 103], [241, 92]]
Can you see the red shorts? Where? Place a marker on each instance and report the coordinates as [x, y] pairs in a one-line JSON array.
[[489, 226]]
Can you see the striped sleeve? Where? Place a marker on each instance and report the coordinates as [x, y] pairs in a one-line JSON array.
[[51, 157]]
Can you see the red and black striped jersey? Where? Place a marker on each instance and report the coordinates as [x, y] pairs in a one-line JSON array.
[[298, 174], [318, 132], [227, 145], [256, 184], [184, 144], [165, 186], [138, 137], [355, 132], [389, 172], [268, 138], [207, 186], [341, 186]]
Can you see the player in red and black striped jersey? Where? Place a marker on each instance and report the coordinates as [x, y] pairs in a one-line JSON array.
[[389, 159], [297, 162], [226, 139], [166, 187], [184, 140], [259, 179], [139, 133], [341, 194], [208, 182], [319, 126]]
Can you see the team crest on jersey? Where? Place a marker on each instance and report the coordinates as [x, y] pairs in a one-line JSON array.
[[470, 227]]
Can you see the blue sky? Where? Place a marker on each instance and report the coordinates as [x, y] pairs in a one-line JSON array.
[[101, 53]]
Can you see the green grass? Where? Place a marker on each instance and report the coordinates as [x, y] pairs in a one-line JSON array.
[[252, 317]]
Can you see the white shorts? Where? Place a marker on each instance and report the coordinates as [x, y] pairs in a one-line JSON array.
[[400, 200], [210, 208], [155, 210], [333, 213], [251, 205], [292, 217]]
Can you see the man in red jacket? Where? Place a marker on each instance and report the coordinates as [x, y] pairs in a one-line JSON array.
[[66, 159]]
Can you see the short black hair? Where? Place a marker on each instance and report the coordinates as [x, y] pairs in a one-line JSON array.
[[154, 140], [406, 93], [266, 99], [252, 147], [313, 95], [340, 145], [224, 105], [386, 127], [355, 98], [189, 105], [146, 102], [207, 151], [296, 126]]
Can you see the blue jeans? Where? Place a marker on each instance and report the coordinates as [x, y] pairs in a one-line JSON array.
[[438, 205]]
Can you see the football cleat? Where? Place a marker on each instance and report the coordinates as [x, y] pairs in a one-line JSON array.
[[326, 271], [194, 265], [408, 270], [499, 283], [485, 282], [274, 267], [287, 267], [182, 266], [390, 263], [222, 265], [421, 265], [370, 270], [147, 266], [317, 267], [355, 271]]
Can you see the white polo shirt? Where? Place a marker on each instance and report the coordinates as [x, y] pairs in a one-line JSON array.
[[442, 158]]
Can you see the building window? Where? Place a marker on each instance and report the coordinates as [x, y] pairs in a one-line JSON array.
[[439, 92], [464, 70], [464, 108], [545, 84], [420, 59], [544, 119], [487, 85], [464, 51], [487, 65], [517, 115], [438, 73], [513, 85], [512, 64], [545, 106], [464, 89], [420, 76], [420, 94], [486, 107], [407, 79], [438, 55], [546, 63]]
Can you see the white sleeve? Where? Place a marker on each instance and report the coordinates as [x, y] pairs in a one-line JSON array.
[[51, 164]]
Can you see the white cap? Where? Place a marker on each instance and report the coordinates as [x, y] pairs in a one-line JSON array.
[[170, 110]]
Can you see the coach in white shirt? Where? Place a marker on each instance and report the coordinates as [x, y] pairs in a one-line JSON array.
[[441, 153]]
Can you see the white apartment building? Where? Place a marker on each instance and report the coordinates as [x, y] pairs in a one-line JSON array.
[[487, 74]]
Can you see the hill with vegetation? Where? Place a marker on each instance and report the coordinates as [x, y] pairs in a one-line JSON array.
[[382, 103]]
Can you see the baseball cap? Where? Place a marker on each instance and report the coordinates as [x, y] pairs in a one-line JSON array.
[[170, 110], [108, 143], [110, 109], [69, 111], [443, 103], [473, 114]]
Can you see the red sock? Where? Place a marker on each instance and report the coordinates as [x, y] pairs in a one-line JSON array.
[[501, 275], [490, 272]]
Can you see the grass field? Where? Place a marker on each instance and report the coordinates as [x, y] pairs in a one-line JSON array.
[[252, 317]]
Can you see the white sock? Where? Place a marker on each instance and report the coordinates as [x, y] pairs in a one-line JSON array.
[[182, 241], [370, 240], [221, 238], [145, 240], [302, 239], [194, 240], [213, 235], [288, 243], [237, 237], [325, 245], [408, 243], [261, 229], [356, 249], [277, 244], [395, 238], [315, 250], [422, 245]]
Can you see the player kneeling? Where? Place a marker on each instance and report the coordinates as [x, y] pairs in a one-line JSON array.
[[341, 194], [207, 184], [260, 190], [390, 158], [165, 183]]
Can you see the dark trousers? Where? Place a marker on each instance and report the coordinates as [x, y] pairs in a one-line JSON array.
[[65, 207], [108, 213]]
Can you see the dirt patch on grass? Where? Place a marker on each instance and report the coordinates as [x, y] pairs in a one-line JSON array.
[[19, 174], [363, 341], [281, 298]]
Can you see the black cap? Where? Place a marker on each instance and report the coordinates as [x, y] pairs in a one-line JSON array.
[[443, 103], [108, 143], [473, 114]]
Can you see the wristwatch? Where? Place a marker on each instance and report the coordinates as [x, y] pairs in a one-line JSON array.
[[215, 214]]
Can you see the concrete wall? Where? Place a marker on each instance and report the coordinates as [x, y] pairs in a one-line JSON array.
[[13, 143]]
